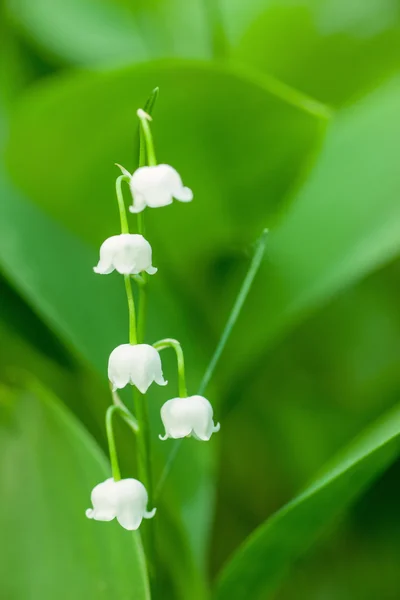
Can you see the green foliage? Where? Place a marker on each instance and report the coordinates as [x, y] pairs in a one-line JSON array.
[[314, 356], [98, 33], [49, 465], [259, 565]]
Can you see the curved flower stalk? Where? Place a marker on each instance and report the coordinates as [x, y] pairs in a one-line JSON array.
[[137, 364], [154, 185], [127, 253], [186, 417]]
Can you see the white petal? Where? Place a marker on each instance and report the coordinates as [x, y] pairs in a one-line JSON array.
[[133, 254], [151, 270], [128, 253], [138, 364], [183, 417], [139, 201], [176, 418], [203, 425], [146, 367], [132, 502], [119, 366], [184, 194], [104, 500], [156, 186], [107, 250]]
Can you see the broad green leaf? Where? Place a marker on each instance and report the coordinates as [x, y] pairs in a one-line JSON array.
[[49, 466], [241, 144], [343, 223], [314, 45], [262, 561], [99, 32]]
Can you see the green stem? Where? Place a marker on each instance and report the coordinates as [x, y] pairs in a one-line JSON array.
[[146, 152], [237, 307], [148, 108], [144, 463], [125, 413], [133, 338], [141, 231], [170, 343], [145, 127], [121, 203], [128, 287], [116, 473], [144, 466]]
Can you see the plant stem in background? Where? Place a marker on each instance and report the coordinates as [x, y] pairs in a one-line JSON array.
[[233, 317], [237, 307]]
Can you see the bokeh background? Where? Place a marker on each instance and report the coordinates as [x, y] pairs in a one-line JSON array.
[[278, 113]]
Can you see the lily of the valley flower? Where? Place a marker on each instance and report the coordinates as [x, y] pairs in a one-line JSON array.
[[138, 364], [127, 253], [183, 417], [157, 186], [125, 500]]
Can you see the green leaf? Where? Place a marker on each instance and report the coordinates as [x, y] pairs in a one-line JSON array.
[[343, 224], [99, 32], [257, 568], [241, 153], [48, 469], [314, 44]]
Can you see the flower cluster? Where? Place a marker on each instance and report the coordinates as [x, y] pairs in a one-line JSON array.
[[137, 363]]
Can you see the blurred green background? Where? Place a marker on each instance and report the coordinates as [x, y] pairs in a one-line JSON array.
[[277, 113]]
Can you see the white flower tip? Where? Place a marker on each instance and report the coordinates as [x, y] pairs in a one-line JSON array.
[[123, 170], [89, 513], [152, 270], [163, 437], [217, 427], [150, 515], [135, 209], [185, 195], [143, 115]]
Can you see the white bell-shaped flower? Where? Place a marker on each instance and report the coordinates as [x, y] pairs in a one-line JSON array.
[[127, 253], [138, 364], [125, 500], [157, 186], [183, 417]]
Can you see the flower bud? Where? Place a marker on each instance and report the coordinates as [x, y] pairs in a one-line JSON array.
[[127, 253], [157, 186], [138, 365], [185, 417], [125, 500]]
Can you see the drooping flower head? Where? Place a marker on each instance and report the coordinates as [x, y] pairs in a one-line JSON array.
[[138, 364], [157, 186], [127, 253], [126, 500], [185, 417]]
